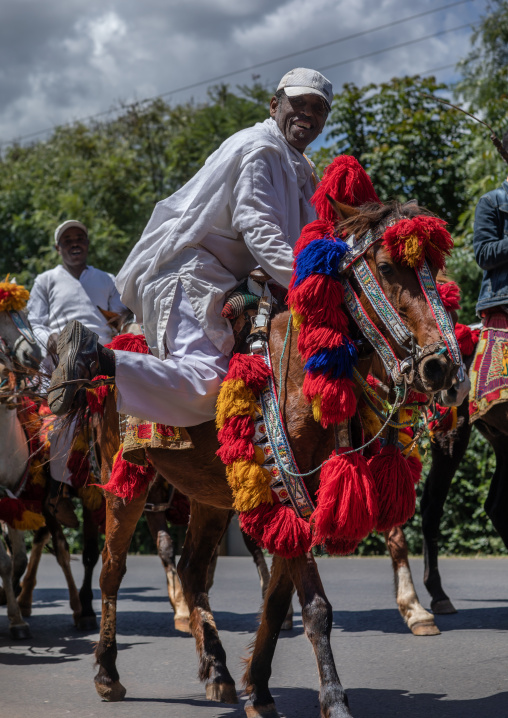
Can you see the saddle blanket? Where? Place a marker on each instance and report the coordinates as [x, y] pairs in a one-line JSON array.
[[139, 434], [489, 370]]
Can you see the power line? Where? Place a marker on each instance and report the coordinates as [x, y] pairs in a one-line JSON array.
[[271, 61]]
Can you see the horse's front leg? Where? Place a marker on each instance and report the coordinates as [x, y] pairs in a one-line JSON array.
[[63, 557], [419, 621], [88, 619], [41, 538], [317, 621], [121, 521], [206, 528], [18, 627], [19, 557], [258, 669]]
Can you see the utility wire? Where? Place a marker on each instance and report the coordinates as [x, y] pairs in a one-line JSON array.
[[269, 62]]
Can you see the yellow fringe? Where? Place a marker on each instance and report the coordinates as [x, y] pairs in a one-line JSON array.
[[316, 408], [412, 250], [91, 496], [235, 399], [17, 299], [298, 320], [371, 423], [250, 484], [80, 443], [259, 455], [37, 474], [30, 521]]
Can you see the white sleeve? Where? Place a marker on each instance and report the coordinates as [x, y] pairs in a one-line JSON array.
[[38, 313], [114, 302], [259, 213]]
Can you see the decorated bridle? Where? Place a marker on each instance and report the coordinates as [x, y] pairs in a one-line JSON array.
[[401, 371]]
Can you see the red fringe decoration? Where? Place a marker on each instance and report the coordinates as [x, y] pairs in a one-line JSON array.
[[395, 487], [278, 529], [236, 427], [310, 337], [450, 295], [319, 229], [79, 466], [346, 181], [11, 510], [466, 338], [96, 397], [434, 241], [319, 298], [129, 343], [128, 481], [338, 400], [415, 466], [347, 500], [250, 369], [239, 449], [341, 547]]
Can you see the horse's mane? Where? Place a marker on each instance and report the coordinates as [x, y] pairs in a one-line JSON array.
[[374, 214]]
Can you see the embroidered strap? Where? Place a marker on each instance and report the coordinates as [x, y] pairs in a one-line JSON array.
[[380, 302], [372, 333], [289, 488], [439, 312], [22, 326]]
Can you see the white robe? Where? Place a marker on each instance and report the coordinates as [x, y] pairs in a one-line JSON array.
[[246, 207]]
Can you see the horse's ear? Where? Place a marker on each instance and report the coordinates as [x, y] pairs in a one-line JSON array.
[[343, 211]]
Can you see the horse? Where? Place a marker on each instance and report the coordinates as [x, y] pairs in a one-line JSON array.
[[18, 352], [199, 475]]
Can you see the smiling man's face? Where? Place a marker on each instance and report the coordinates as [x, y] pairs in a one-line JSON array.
[[73, 248], [300, 119]]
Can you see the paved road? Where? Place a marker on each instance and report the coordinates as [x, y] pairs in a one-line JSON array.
[[461, 674]]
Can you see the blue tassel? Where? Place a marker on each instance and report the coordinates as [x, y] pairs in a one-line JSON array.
[[338, 361], [321, 256]]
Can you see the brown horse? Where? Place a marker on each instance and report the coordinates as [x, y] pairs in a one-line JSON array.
[[200, 475]]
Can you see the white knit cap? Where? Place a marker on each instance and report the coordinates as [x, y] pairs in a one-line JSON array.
[[302, 81], [67, 225]]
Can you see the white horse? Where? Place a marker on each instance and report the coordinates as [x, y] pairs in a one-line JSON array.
[[18, 349]]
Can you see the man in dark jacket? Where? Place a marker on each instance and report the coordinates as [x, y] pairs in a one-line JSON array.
[[490, 244]]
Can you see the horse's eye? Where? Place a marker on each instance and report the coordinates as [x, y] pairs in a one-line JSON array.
[[385, 269]]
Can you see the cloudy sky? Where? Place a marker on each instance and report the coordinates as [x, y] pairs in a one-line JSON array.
[[62, 60]]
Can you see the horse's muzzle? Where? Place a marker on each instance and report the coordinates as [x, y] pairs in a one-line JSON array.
[[436, 373]]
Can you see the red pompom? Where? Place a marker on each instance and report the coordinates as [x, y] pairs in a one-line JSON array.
[[129, 343], [341, 547], [410, 241], [415, 466], [96, 397], [319, 298], [278, 529], [11, 510], [338, 400], [79, 468], [346, 181], [236, 427], [395, 487], [466, 338], [239, 449], [347, 500], [250, 368], [128, 481], [311, 338], [450, 295]]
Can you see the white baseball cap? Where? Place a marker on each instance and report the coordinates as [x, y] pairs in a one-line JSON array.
[[67, 225], [302, 81]]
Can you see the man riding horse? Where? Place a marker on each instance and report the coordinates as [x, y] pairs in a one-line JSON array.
[[246, 207]]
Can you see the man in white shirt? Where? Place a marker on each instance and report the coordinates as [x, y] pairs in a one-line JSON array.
[[246, 207], [72, 290]]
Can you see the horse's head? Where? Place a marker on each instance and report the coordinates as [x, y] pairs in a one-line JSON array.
[[395, 253], [18, 346]]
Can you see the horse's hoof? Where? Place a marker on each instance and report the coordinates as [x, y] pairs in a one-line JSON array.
[[112, 693], [425, 628], [20, 633], [443, 608], [287, 625], [183, 625], [268, 711], [86, 623], [221, 692]]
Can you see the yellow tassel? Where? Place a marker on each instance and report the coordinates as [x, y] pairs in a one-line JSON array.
[[298, 320], [412, 250], [316, 408], [91, 497], [80, 443], [235, 399], [17, 296], [37, 474], [250, 484], [370, 422], [259, 455], [30, 521]]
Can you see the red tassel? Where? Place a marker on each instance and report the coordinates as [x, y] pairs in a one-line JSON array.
[[240, 449], [395, 487], [347, 501], [341, 547], [311, 338], [319, 298], [236, 427], [415, 466], [128, 481], [96, 397], [346, 181], [129, 343], [338, 400], [433, 239], [11, 510], [79, 467], [278, 529], [450, 295], [319, 229], [251, 369], [466, 338]]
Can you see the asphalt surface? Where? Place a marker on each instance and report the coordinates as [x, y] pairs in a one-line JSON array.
[[463, 673]]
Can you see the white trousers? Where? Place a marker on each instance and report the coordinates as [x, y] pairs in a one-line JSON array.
[[180, 390], [60, 444]]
